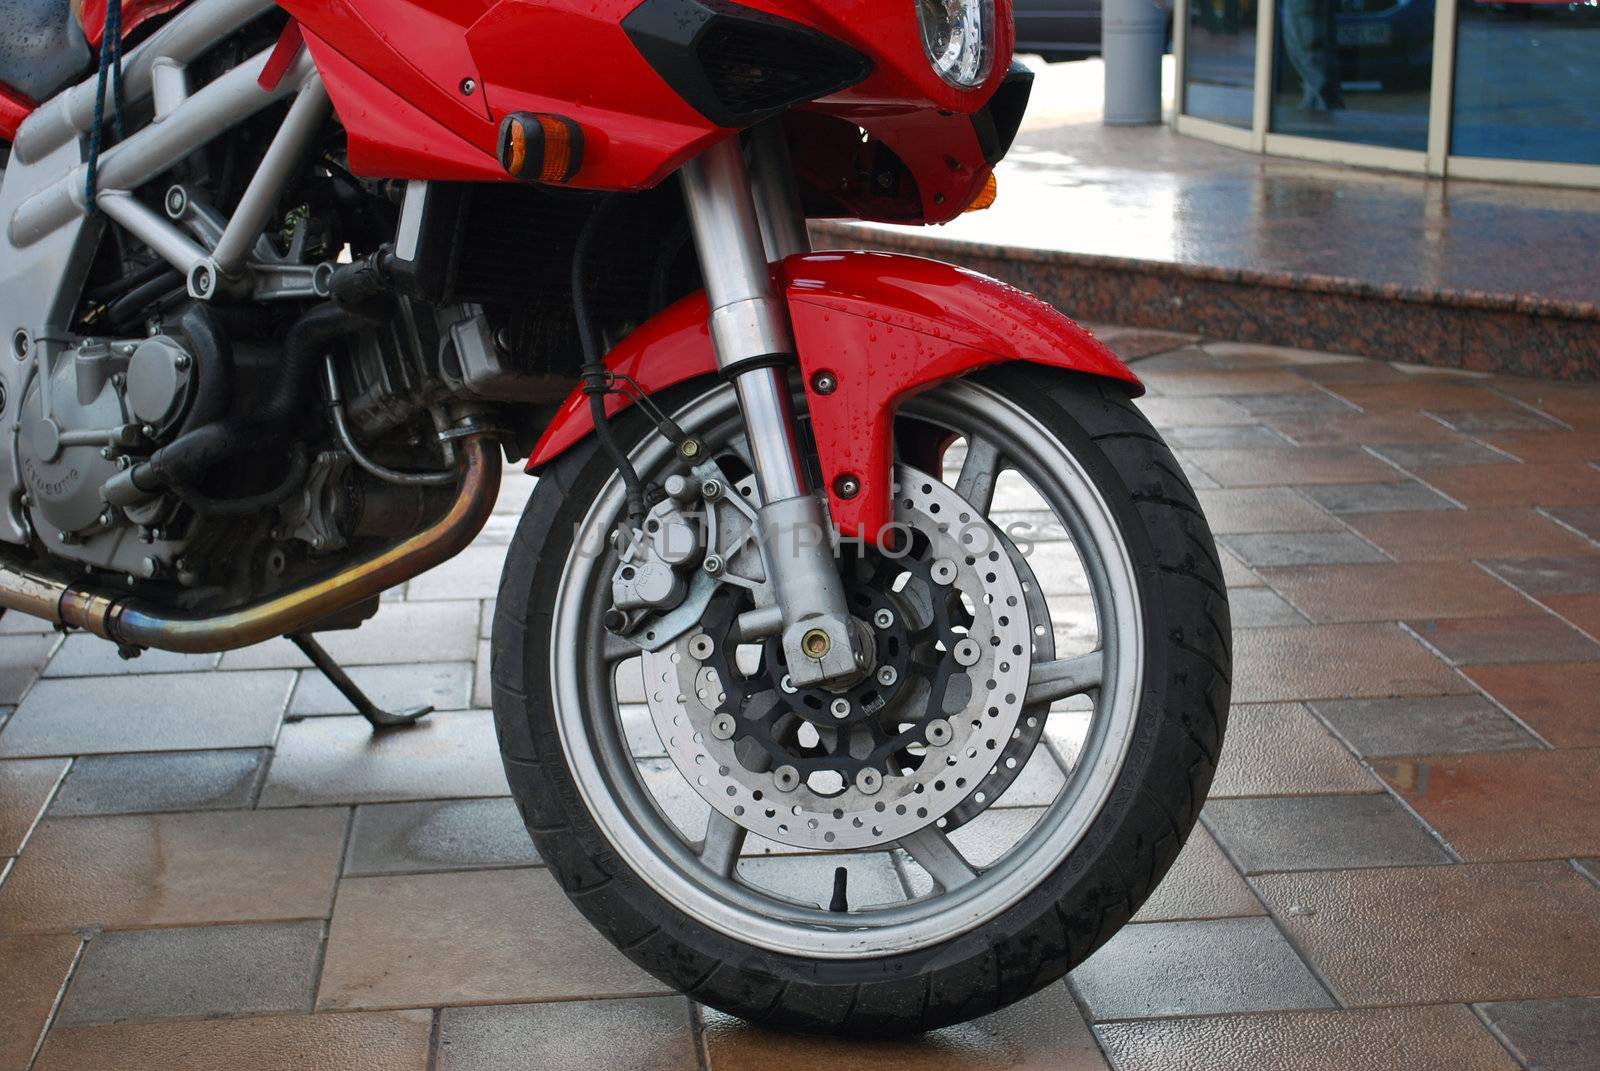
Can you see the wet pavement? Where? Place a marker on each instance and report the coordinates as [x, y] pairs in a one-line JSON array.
[[209, 863]]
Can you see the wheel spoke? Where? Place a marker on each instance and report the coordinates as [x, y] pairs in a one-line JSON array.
[[1064, 677], [979, 472], [724, 841], [934, 852]]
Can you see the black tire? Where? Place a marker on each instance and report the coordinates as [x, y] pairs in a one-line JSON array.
[[1127, 850]]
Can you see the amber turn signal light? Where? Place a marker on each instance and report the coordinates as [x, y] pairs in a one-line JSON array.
[[986, 196], [540, 148]]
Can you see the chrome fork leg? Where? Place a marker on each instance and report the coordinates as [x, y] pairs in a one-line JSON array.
[[750, 330]]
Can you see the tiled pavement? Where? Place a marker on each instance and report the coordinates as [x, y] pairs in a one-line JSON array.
[[204, 863]]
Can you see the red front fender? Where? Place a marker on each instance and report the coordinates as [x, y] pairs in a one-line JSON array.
[[886, 327]]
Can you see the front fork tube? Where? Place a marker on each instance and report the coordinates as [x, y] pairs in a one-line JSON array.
[[755, 347]]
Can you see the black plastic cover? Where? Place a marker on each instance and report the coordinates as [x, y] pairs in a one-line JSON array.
[[736, 65]]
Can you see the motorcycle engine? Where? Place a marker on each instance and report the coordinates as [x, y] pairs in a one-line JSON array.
[[100, 400]]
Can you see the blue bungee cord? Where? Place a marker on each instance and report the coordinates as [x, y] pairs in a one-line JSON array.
[[110, 64]]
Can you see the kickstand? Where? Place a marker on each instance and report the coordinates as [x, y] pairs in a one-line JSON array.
[[375, 715]]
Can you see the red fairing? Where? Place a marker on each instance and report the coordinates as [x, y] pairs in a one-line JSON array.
[[14, 108], [886, 326], [135, 13], [460, 66]]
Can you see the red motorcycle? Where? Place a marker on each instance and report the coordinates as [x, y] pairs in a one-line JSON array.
[[861, 658]]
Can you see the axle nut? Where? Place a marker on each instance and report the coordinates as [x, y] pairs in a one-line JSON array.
[[816, 644]]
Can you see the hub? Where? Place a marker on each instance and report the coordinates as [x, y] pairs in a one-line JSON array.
[[948, 634]]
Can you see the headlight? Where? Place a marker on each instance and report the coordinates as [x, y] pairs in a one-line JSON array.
[[958, 36]]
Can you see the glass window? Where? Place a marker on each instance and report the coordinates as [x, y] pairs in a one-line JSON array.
[[1220, 71], [1527, 81], [1354, 70]]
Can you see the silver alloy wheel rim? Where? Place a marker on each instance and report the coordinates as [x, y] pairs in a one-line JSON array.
[[603, 769]]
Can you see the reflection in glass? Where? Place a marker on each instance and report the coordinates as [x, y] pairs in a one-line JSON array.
[[1527, 81], [1354, 70], [1220, 72]]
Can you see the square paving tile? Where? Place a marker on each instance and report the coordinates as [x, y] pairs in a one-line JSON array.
[[1390, 591], [84, 655], [1556, 483], [1549, 1035], [1162, 969], [1223, 437], [1293, 402], [1377, 497], [22, 659], [1336, 662], [1302, 548], [25, 787], [1231, 511], [1192, 412], [174, 870], [452, 754], [648, 1034], [477, 937], [402, 838], [1235, 573], [1258, 355], [194, 972], [1202, 884], [1293, 466], [390, 1041], [441, 685], [1538, 637], [1585, 520], [166, 712], [1046, 1032], [1463, 535], [1443, 934], [1427, 393], [1224, 382], [402, 633], [1423, 726], [1473, 421], [1281, 750], [1555, 699], [1320, 833], [1577, 574], [1434, 454], [1546, 445], [1435, 1038], [35, 969], [1505, 805], [1581, 610], [1261, 608], [161, 781], [1355, 429], [472, 574]]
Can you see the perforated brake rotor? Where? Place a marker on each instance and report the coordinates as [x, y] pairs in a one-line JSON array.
[[944, 740]]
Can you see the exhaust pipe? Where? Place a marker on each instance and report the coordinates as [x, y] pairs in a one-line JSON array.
[[135, 623]]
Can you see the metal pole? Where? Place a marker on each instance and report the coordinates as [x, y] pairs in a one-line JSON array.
[[1133, 36]]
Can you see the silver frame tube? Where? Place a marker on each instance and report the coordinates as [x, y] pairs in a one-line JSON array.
[[300, 127], [220, 106], [199, 27]]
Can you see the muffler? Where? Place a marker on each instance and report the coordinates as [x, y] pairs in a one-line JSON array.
[[133, 622]]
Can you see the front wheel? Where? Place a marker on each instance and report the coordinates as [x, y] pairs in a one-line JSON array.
[[959, 829]]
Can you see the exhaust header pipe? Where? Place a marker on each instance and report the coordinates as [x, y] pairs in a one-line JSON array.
[[135, 623]]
